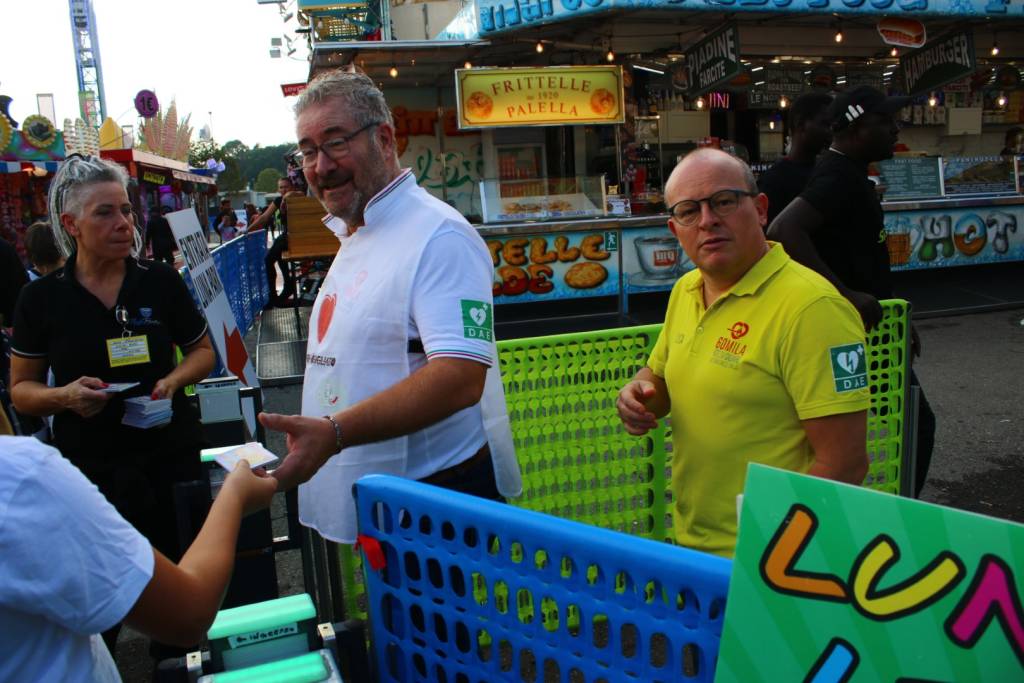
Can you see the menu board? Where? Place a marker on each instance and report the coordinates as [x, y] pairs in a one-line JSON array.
[[912, 177], [979, 175]]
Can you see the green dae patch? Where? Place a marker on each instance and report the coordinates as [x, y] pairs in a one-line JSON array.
[[849, 367], [477, 322]]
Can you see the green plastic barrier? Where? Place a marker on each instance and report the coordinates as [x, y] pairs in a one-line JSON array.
[[264, 631], [302, 669], [577, 461]]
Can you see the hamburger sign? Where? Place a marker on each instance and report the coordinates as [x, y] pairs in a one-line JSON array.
[[539, 96]]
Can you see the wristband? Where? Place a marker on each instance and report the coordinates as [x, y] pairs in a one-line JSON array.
[[337, 433]]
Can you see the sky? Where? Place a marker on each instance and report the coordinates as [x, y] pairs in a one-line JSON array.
[[211, 56]]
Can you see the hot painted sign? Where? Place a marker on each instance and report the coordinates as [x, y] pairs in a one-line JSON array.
[[505, 16], [941, 61], [550, 267], [539, 96], [939, 238], [837, 583], [714, 60]]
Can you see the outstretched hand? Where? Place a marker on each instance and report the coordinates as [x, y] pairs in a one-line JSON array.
[[310, 441], [632, 407]]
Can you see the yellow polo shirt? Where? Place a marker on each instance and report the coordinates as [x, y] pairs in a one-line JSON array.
[[781, 346]]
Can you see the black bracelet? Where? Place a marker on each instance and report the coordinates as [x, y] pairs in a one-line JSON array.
[[337, 432]]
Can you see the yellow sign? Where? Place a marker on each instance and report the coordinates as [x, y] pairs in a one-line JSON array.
[[154, 178], [558, 95]]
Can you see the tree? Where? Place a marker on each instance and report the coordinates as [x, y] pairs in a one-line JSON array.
[[231, 179], [201, 150], [267, 179], [235, 148]]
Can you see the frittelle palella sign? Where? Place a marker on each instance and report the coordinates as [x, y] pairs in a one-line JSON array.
[[713, 60], [943, 60]]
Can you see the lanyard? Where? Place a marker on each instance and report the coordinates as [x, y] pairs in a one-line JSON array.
[[121, 316]]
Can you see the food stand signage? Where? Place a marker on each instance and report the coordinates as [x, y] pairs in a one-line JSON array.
[[550, 267], [652, 260], [833, 582], [912, 177], [503, 16], [714, 60], [942, 237], [943, 60], [155, 178], [539, 96], [979, 175]]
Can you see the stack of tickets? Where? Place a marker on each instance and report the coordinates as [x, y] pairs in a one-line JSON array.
[[144, 412]]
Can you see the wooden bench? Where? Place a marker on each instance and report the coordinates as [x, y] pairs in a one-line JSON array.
[[308, 237]]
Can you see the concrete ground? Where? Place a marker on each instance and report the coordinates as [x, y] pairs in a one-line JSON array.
[[972, 371]]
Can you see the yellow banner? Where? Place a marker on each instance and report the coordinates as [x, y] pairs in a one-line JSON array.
[[541, 96]]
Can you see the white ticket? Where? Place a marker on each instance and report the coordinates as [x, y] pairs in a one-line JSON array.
[[253, 452]]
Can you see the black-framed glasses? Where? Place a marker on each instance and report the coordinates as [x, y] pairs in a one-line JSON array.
[[335, 148], [721, 203]]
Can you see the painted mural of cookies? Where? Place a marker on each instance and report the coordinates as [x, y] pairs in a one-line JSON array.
[[586, 275]]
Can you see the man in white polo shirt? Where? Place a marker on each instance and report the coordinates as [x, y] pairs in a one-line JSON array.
[[401, 373]]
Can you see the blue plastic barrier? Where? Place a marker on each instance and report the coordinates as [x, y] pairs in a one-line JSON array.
[[240, 265], [477, 590]]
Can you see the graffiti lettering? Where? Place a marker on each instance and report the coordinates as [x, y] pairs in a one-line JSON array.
[[970, 234], [1001, 223], [938, 233]]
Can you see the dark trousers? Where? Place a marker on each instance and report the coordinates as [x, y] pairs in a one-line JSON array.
[[279, 246], [925, 436], [474, 476]]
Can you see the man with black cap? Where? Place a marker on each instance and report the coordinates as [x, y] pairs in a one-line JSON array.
[[837, 228]]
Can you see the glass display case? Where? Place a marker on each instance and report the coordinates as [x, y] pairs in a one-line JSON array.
[[542, 199]]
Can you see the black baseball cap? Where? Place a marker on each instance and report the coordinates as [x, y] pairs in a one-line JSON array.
[[850, 105]]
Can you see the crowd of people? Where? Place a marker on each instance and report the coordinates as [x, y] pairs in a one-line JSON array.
[[401, 374]]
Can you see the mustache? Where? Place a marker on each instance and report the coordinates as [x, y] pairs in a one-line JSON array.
[[333, 180]]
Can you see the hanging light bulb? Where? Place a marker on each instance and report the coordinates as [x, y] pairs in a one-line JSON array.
[[895, 52], [610, 56], [995, 48], [393, 72], [468, 65], [932, 100], [783, 102], [540, 47], [771, 124], [839, 34], [1001, 101], [700, 103]]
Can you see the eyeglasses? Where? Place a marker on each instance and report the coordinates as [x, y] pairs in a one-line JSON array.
[[335, 148], [721, 203]]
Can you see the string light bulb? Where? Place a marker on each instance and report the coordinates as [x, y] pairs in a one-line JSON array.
[[1001, 101], [895, 52], [783, 102], [700, 103], [995, 48], [393, 72], [839, 34], [540, 47], [468, 65], [771, 124], [932, 100], [610, 56]]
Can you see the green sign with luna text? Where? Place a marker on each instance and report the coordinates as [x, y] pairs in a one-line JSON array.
[[834, 583]]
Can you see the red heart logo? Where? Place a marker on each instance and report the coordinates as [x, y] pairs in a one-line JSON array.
[[323, 321]]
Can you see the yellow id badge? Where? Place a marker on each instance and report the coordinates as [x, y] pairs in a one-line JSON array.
[[128, 350]]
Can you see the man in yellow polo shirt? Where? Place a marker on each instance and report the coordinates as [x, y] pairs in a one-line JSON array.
[[760, 359]]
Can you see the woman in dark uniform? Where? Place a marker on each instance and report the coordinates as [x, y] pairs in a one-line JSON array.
[[108, 317]]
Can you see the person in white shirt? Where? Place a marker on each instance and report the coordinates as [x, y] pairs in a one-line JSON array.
[[401, 373], [71, 567]]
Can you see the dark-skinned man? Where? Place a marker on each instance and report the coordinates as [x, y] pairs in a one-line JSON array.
[[836, 226]]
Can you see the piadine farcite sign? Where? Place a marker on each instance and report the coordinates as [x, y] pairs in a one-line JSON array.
[[943, 60], [714, 60], [571, 95]]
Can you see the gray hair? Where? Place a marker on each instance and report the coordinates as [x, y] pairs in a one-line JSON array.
[[67, 195], [362, 99]]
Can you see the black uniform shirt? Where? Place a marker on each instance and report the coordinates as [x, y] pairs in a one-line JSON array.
[[61, 321], [783, 183], [851, 240]]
